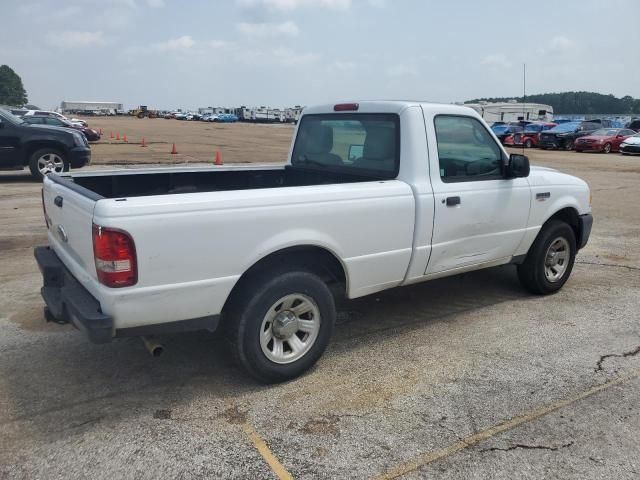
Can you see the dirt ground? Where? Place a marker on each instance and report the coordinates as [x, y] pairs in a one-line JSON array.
[[464, 377], [195, 141]]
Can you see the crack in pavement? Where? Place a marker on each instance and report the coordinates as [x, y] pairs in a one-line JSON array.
[[527, 447], [614, 265], [630, 353]]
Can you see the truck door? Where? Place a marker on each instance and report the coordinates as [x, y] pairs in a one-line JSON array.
[[9, 145], [480, 217]]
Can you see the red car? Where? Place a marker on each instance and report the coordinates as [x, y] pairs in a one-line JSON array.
[[604, 140], [530, 136]]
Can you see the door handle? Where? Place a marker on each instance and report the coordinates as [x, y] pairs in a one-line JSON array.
[[453, 201]]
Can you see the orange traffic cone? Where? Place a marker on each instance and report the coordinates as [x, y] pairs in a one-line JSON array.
[[143, 144], [118, 136], [173, 150], [218, 158], [111, 134], [124, 139]]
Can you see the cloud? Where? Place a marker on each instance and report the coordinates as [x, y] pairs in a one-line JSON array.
[[560, 44], [76, 39], [401, 70], [342, 66], [181, 43], [288, 5], [496, 60], [288, 57], [155, 3], [288, 29]]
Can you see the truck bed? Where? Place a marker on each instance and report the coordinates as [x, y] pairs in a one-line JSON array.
[[129, 183]]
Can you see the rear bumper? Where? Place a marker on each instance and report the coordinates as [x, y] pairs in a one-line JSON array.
[[68, 301], [585, 224], [79, 157]]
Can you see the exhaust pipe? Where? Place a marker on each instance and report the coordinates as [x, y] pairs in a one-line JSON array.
[[154, 347]]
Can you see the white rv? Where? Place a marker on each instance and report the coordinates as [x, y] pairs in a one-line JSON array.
[[513, 111]]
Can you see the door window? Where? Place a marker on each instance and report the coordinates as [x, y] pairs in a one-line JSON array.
[[466, 150]]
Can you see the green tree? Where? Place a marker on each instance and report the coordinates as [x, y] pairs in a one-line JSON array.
[[12, 91]]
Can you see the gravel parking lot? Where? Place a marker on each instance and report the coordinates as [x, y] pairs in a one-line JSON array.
[[465, 377]]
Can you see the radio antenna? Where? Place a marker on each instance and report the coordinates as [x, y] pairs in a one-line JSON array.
[[524, 98]]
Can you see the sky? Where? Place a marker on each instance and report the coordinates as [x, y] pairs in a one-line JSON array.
[[196, 53]]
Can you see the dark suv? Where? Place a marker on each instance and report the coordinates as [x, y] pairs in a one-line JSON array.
[[43, 148], [564, 135]]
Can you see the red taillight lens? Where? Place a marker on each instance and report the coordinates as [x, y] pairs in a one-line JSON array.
[[346, 107], [44, 208], [115, 256]]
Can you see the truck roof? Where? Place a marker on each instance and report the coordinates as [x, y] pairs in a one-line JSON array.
[[392, 106]]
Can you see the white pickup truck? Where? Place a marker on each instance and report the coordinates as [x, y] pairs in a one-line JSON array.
[[375, 195]]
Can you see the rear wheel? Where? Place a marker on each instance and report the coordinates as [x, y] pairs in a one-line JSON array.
[[550, 259], [278, 326], [606, 148], [45, 161]]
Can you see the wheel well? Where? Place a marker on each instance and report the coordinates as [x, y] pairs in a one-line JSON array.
[[310, 258], [33, 146], [569, 216]]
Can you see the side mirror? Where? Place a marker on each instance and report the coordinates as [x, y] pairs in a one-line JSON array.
[[355, 152], [518, 166]]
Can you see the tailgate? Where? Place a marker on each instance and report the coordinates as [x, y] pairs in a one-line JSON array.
[[70, 215]]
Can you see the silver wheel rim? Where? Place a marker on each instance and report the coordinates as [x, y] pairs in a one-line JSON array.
[[607, 148], [290, 328], [50, 162], [557, 259]]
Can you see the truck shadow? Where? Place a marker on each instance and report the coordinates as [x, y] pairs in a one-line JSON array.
[[59, 381], [16, 176]]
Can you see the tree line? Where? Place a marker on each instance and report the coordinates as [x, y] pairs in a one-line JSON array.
[[12, 91], [577, 102]]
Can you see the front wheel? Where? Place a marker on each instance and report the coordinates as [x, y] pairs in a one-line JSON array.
[[528, 143], [550, 259], [280, 325], [606, 148], [45, 161], [568, 145]]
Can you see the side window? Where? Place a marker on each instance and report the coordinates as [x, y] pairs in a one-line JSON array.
[[466, 150], [52, 121]]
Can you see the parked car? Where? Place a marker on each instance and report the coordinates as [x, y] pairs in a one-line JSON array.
[[226, 118], [42, 148], [180, 116], [91, 135], [604, 140], [634, 125], [338, 220], [630, 145], [564, 135], [503, 131], [44, 113], [530, 136]]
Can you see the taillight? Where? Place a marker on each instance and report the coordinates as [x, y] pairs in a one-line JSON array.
[[44, 208], [115, 256]]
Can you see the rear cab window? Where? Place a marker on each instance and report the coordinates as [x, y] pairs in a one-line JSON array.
[[359, 143]]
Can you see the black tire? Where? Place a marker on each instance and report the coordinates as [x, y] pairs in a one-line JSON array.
[[543, 148], [244, 319], [568, 145], [528, 143], [33, 161], [606, 148], [532, 271]]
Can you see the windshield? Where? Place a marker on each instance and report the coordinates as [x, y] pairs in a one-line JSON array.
[[359, 143], [500, 128], [10, 117], [565, 127], [605, 132]]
